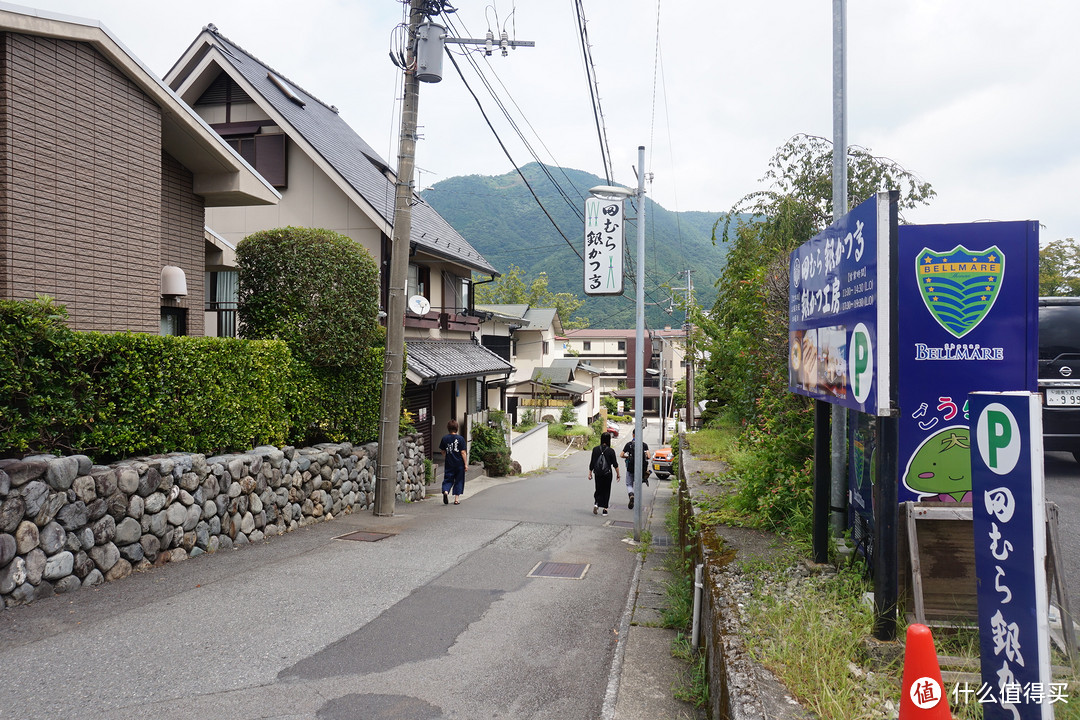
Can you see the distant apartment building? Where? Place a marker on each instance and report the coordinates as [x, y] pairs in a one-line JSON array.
[[612, 353]]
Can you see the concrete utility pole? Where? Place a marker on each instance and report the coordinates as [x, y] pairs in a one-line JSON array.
[[393, 365]]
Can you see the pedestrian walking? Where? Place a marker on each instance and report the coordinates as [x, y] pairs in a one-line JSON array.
[[601, 466], [632, 466], [456, 460]]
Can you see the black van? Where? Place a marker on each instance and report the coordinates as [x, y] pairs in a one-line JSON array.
[[1059, 373]]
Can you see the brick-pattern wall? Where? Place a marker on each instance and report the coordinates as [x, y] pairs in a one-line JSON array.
[[82, 182], [182, 220]]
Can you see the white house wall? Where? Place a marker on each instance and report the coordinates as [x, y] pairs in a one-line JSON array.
[[310, 200]]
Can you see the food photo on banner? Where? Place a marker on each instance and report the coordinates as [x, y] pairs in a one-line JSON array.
[[834, 312]]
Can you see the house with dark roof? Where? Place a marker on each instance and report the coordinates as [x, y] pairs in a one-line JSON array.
[[105, 180], [329, 177]]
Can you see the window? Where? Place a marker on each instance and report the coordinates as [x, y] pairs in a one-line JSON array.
[[265, 153], [456, 291], [544, 349], [173, 321], [586, 345], [419, 279], [620, 365], [622, 346], [222, 294]]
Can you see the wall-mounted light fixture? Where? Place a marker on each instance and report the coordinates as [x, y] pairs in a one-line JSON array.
[[173, 282]]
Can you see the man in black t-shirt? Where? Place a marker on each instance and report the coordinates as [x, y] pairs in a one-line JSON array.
[[453, 448]]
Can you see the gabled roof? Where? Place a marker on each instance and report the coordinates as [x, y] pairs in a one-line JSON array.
[[319, 129], [432, 361], [219, 175], [532, 318]]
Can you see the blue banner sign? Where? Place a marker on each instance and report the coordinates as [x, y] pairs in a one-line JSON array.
[[1009, 519], [838, 303], [968, 312]]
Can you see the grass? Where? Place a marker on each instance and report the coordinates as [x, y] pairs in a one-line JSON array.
[[678, 615], [713, 443], [813, 630], [809, 631]]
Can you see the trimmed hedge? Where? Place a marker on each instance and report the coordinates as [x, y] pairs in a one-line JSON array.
[[124, 394]]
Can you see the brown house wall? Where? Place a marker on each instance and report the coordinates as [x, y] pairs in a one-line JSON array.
[[82, 186]]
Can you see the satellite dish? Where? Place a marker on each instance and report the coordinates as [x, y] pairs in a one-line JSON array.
[[419, 305]]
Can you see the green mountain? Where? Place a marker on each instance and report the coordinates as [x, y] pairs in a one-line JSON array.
[[500, 218]]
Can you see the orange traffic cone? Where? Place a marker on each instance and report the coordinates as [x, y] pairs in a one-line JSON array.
[[923, 696]]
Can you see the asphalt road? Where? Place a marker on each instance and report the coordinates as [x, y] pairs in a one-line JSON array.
[[1063, 488], [439, 620]]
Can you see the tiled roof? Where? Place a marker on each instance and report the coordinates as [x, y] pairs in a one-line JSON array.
[[437, 360], [357, 163]]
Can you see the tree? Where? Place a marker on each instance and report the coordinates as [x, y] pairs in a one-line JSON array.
[[513, 288], [1059, 268], [745, 333], [315, 289]]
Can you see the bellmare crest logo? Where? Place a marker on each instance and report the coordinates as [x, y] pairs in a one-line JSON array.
[[960, 286]]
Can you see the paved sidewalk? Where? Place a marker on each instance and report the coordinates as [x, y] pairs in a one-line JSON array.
[[648, 674]]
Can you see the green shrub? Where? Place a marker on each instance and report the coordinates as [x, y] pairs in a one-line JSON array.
[[124, 394], [38, 370], [315, 289], [489, 446]]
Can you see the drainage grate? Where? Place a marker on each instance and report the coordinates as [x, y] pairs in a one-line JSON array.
[[662, 541], [621, 523], [567, 571], [363, 536]]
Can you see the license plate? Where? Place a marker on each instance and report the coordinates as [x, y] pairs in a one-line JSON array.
[[1063, 396]]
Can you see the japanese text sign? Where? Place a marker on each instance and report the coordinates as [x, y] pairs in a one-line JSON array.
[[1008, 513], [969, 300], [603, 247], [838, 295]]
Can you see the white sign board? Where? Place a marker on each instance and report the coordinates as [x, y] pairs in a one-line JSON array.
[[603, 247]]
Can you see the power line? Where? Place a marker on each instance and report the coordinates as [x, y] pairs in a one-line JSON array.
[[511, 159]]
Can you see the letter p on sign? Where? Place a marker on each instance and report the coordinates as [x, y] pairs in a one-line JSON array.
[[861, 363], [999, 438]]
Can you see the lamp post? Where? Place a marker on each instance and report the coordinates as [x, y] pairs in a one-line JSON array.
[[639, 366]]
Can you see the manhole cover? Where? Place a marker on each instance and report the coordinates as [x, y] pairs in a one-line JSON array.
[[621, 523], [568, 571], [363, 536]]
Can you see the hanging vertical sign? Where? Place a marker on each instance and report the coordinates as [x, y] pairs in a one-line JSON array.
[[1008, 513], [969, 309], [838, 295], [603, 247]]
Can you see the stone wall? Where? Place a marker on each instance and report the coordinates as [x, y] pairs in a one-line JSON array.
[[66, 523]]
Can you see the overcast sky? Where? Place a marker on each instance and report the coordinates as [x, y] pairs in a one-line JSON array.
[[978, 97]]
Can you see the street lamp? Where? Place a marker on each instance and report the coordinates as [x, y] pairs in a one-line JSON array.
[[612, 191]]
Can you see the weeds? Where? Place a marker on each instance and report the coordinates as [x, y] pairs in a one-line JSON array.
[[810, 632]]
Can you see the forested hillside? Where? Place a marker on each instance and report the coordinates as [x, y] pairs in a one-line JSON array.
[[500, 217]]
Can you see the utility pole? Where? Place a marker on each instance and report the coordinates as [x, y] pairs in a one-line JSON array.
[[393, 364], [421, 64], [688, 353]]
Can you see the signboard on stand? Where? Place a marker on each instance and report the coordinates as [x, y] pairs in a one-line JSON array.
[[1009, 520], [968, 299], [838, 295]]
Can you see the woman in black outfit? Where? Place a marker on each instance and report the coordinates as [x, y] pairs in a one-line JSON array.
[[601, 466]]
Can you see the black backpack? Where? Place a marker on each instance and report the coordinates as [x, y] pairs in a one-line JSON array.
[[601, 466]]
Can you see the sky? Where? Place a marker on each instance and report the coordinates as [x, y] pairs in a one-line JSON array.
[[977, 97]]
